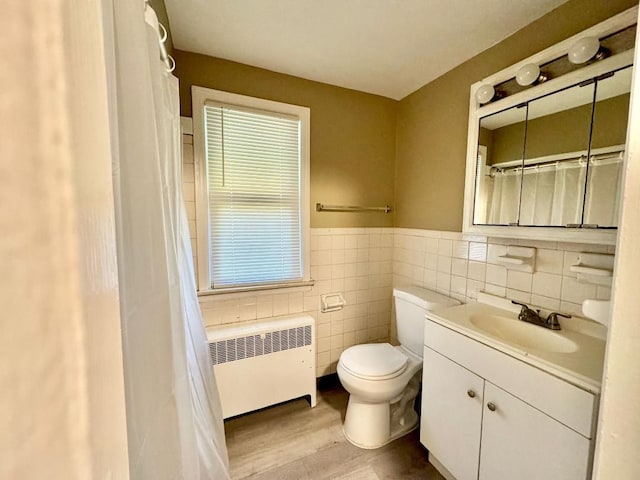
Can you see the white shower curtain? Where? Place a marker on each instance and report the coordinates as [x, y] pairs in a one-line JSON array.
[[601, 203], [552, 194], [503, 197], [174, 419]]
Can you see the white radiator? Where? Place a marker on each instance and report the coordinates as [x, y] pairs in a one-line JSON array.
[[264, 363]]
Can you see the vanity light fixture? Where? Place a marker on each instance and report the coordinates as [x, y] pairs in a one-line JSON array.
[[529, 74], [584, 50], [485, 93]]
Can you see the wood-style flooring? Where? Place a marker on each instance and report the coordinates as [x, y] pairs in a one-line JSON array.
[[293, 441]]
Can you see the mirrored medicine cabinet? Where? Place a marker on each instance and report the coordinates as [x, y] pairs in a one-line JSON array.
[[546, 162]]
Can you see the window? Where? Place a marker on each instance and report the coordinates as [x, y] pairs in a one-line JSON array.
[[252, 201]]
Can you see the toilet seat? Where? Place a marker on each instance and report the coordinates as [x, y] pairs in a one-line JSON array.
[[374, 361]]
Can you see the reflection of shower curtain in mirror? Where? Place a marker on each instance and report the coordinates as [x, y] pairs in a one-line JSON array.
[[553, 194], [601, 204], [502, 198]]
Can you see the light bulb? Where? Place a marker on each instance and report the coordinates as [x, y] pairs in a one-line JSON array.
[[528, 74], [485, 93], [583, 50]]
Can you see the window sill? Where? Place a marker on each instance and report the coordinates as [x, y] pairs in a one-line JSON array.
[[303, 286]]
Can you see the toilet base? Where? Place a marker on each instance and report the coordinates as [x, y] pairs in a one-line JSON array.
[[373, 425], [397, 433]]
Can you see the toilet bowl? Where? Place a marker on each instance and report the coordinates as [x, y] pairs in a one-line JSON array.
[[384, 380]]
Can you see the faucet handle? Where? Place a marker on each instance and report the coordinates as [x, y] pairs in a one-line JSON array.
[[552, 320], [524, 311], [525, 307]]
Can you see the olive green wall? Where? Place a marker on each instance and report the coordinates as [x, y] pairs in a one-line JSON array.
[[610, 121], [507, 143], [561, 132], [432, 122], [370, 150], [352, 133], [568, 131]]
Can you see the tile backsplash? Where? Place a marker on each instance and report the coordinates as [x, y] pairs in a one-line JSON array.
[[462, 265]]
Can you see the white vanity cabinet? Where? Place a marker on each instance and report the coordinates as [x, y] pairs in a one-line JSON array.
[[489, 416], [451, 427]]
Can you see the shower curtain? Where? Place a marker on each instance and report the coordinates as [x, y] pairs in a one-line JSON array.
[[503, 196], [553, 194], [605, 176], [174, 418]]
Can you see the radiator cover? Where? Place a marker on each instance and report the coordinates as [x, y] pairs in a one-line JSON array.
[[263, 363]]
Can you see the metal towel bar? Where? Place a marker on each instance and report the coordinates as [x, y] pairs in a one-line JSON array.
[[320, 207]]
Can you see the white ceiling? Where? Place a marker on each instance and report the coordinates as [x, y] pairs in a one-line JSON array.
[[386, 47]]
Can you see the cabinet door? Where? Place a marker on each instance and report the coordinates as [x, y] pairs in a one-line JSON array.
[[553, 182], [604, 172], [521, 442], [451, 414]]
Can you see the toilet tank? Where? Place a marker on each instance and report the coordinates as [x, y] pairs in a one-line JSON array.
[[412, 304]]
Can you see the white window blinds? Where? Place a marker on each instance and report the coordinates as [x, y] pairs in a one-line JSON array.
[[254, 184]]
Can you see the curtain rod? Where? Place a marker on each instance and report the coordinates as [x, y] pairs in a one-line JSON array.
[[561, 156], [594, 158], [320, 207]]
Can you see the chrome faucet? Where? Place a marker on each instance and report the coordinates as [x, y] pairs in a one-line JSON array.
[[533, 316]]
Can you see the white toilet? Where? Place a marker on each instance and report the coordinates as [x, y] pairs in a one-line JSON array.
[[383, 380]]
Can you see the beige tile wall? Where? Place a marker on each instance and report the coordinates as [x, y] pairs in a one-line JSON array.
[[356, 262], [189, 191], [461, 265]]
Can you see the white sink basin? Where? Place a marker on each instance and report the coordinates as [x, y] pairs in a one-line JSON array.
[[523, 334]]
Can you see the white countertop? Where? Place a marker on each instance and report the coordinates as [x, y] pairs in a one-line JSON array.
[[582, 367]]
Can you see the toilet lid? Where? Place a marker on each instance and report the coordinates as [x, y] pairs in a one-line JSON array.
[[373, 360]]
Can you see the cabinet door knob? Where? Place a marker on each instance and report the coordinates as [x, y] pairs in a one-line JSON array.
[[471, 393], [491, 406]]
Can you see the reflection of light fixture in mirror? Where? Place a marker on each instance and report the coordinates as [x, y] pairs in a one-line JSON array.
[[485, 93], [584, 50], [529, 74]]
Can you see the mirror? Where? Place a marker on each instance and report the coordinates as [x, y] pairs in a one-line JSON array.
[[611, 111], [545, 160], [498, 180], [558, 128], [555, 161]]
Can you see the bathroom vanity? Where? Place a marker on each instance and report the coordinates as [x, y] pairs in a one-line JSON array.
[[503, 399]]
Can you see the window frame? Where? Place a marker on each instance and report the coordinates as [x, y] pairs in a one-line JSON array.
[[200, 96]]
